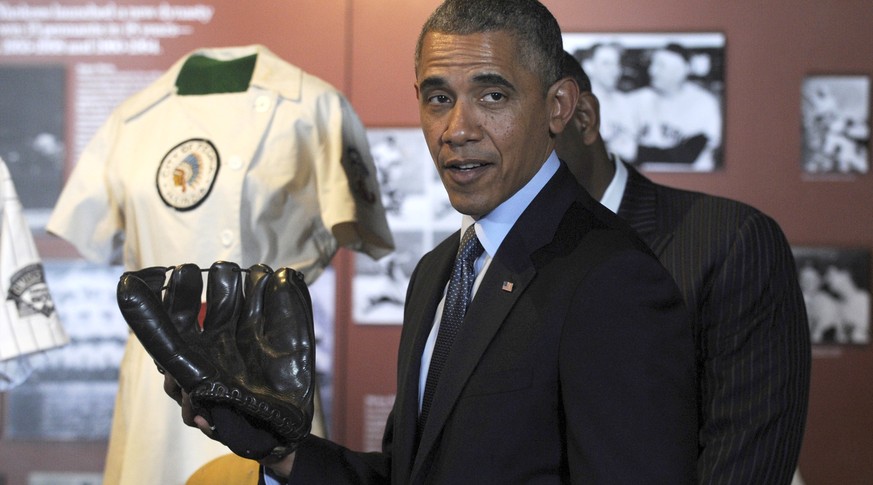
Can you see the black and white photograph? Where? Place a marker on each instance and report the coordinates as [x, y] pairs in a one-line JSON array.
[[662, 96], [419, 215], [836, 124], [836, 288], [322, 292], [32, 134]]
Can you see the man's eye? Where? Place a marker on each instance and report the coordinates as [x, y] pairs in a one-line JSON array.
[[491, 97], [439, 99]]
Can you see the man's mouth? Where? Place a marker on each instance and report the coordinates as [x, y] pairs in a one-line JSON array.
[[466, 166]]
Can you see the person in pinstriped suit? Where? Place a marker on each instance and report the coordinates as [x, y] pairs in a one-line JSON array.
[[737, 274]]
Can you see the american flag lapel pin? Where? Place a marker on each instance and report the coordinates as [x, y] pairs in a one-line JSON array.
[[507, 286]]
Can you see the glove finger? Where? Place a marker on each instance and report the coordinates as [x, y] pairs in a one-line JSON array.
[[250, 330], [148, 319], [223, 296], [289, 333], [224, 301], [153, 277], [183, 299]]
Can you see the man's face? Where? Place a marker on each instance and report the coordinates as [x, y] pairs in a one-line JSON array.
[[668, 70], [604, 67], [484, 115]]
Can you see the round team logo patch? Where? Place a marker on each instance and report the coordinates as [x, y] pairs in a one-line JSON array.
[[187, 173]]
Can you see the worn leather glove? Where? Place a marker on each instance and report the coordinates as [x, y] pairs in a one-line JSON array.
[[250, 370]]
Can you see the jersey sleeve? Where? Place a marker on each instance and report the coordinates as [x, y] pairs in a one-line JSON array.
[[348, 192], [88, 213]]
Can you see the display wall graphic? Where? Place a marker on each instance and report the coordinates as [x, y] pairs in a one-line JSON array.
[[836, 125], [836, 288], [419, 215], [64, 65], [32, 133], [662, 96]]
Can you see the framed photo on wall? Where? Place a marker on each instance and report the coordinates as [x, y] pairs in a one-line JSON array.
[[836, 288], [836, 124], [661, 96], [419, 214]]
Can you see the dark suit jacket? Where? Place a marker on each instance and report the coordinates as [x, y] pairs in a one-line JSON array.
[[738, 277], [583, 372]]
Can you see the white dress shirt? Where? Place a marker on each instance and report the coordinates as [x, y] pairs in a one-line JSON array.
[[615, 191]]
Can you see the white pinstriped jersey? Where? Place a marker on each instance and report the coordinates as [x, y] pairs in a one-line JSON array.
[[29, 321]]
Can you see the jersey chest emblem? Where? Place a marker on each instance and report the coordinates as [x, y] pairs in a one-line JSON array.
[[28, 290], [187, 173]]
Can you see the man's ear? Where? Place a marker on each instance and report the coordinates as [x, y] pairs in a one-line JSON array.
[[587, 114], [563, 96]]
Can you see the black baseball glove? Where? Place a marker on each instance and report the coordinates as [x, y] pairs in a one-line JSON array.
[[250, 370]]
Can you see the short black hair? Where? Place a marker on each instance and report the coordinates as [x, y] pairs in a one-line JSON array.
[[570, 67], [532, 25]]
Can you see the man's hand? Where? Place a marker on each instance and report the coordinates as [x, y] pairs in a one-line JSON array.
[[278, 466], [189, 417], [246, 378]]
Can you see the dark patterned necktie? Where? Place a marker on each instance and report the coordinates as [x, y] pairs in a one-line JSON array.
[[454, 309]]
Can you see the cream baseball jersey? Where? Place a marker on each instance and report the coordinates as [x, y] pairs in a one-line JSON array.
[[278, 172]]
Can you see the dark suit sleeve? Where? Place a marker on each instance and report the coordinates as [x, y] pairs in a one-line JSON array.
[[756, 382], [628, 379], [321, 461]]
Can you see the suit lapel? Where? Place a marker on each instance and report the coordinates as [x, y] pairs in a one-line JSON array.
[[639, 207], [492, 303], [486, 314], [430, 282]]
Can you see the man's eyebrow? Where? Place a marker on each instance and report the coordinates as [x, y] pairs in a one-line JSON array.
[[432, 83], [493, 80], [487, 79]]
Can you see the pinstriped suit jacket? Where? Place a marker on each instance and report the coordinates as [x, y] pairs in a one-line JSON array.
[[737, 274]]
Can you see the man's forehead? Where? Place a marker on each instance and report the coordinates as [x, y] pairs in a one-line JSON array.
[[482, 58], [480, 47]]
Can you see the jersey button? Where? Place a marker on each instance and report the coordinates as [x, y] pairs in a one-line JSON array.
[[262, 104]]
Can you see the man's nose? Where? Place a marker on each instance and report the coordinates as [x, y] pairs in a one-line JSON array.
[[463, 125]]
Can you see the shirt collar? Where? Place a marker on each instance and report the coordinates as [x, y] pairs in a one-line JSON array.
[[615, 191], [271, 73], [493, 227]]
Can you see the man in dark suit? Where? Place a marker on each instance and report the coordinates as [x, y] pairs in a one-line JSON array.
[[573, 363], [737, 274]]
